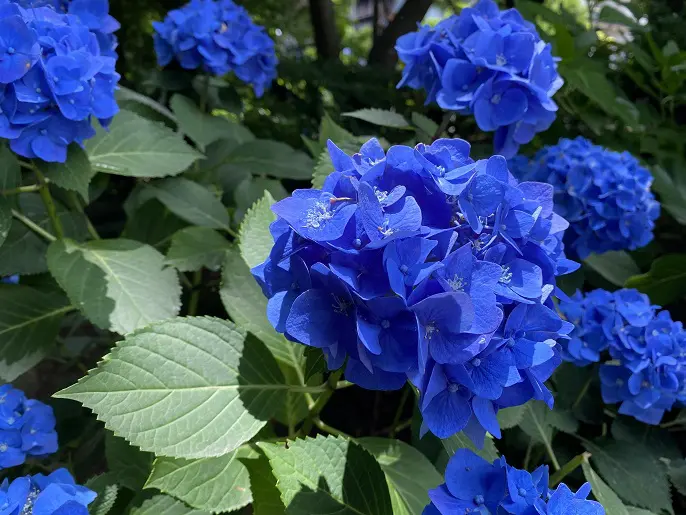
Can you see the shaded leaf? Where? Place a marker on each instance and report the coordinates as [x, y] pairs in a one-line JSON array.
[[272, 158], [535, 423], [193, 248], [462, 441], [665, 282], [672, 197], [616, 266], [5, 219], [380, 117], [107, 492], [128, 465], [74, 174], [201, 127], [425, 124], [677, 475], [603, 493], [266, 497], [315, 362], [126, 96], [10, 172], [8, 373], [510, 417], [165, 505], [154, 224]]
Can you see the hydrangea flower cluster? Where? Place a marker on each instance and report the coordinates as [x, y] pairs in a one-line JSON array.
[[488, 63], [53, 80], [604, 195], [10, 279], [27, 427], [422, 263], [647, 370], [220, 37], [56, 494], [472, 485]]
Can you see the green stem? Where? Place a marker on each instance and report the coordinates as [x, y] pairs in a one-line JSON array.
[[78, 205], [551, 455], [527, 456], [22, 189], [195, 294], [331, 430], [49, 204], [33, 226], [568, 468], [399, 412], [583, 392], [344, 384], [443, 126], [321, 401]]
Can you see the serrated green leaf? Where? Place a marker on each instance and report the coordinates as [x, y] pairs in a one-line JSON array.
[[266, 496], [193, 248], [380, 117], [247, 306], [128, 465], [535, 424], [330, 130], [409, 474], [165, 505], [322, 169], [327, 475], [154, 224], [251, 189], [202, 128], [666, 280], [677, 475], [74, 174], [29, 321], [10, 172], [672, 197], [562, 420], [425, 124], [120, 285], [632, 473], [255, 240], [9, 372], [616, 266], [603, 493], [5, 219], [272, 158], [462, 441], [216, 485], [510, 417], [186, 388], [107, 492], [190, 201], [136, 147]]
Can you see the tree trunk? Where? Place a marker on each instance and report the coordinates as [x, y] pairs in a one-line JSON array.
[[326, 38], [383, 52]]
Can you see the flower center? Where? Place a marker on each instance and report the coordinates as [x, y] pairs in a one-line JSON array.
[[453, 387], [385, 324], [430, 330], [476, 362], [357, 242], [521, 491], [381, 195], [500, 60], [441, 170], [506, 276], [456, 283], [11, 50], [479, 499], [3, 447], [44, 132], [495, 99], [404, 269], [318, 215], [340, 305]]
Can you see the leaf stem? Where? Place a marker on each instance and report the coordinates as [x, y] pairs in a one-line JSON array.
[[583, 392], [195, 294], [568, 468], [399, 412], [321, 401], [527, 456], [343, 384], [443, 126], [328, 429], [49, 203], [33, 226], [78, 205], [22, 189]]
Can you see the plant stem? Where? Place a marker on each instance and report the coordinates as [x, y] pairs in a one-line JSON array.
[[583, 392], [321, 401], [343, 384], [33, 226], [22, 189], [527, 456], [49, 204], [551, 454], [195, 294], [78, 205], [399, 412], [568, 468], [443, 126], [331, 430]]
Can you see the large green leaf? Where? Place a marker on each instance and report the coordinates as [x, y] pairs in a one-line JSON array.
[[255, 239], [126, 97], [193, 248], [107, 492], [666, 280], [632, 473], [677, 475], [535, 423], [120, 285], [672, 196], [127, 464], [462, 441], [186, 387], [8, 373], [10, 172], [380, 117], [511, 417], [273, 158], [136, 147], [29, 321], [154, 224], [326, 475], [266, 497], [74, 174], [610, 501], [202, 128], [5, 219], [165, 505], [410, 475], [251, 189], [216, 485], [616, 266], [247, 306], [190, 201]]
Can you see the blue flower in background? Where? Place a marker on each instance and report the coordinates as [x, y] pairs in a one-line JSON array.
[[489, 63], [604, 195], [472, 485], [424, 264], [27, 427], [647, 350], [10, 279], [57, 72], [56, 493], [219, 37]]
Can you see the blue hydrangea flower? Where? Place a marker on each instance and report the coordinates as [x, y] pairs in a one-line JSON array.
[[56, 493], [219, 37], [10, 279], [473, 485], [27, 427], [488, 63], [604, 195], [647, 350], [56, 74], [424, 264]]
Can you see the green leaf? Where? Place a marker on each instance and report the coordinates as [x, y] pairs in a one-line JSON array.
[[325, 475], [137, 147], [672, 197], [562, 420], [126, 96], [186, 388], [9, 372], [107, 492], [272, 158], [315, 362], [10, 172], [330, 130], [665, 282], [216, 485], [193, 248], [201, 127], [154, 224], [29, 321], [603, 493], [165, 505], [5, 219], [190, 201], [535, 423], [127, 464], [677, 475], [511, 417], [632, 473], [408, 473], [425, 124], [255, 240], [247, 306], [266, 497], [322, 169], [380, 117], [638, 511], [616, 266], [462, 441], [120, 285], [75, 174], [251, 189]]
